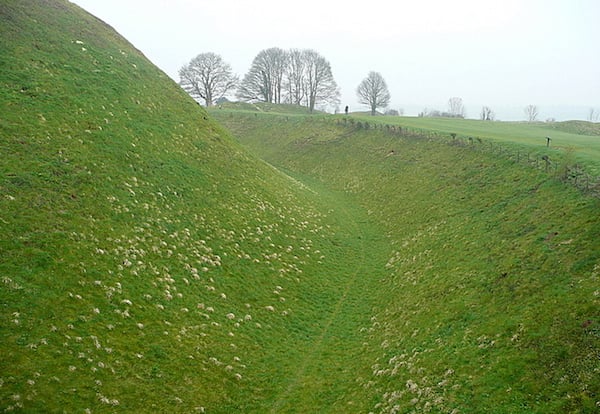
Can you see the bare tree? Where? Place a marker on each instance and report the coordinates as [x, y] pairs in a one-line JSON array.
[[279, 59], [487, 114], [319, 84], [264, 80], [593, 115], [207, 77], [294, 77], [531, 112], [456, 108], [373, 91], [300, 77]]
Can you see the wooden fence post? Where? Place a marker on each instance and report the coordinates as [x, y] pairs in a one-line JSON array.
[[587, 182]]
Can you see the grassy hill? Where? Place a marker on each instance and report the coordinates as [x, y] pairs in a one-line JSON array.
[[578, 127], [490, 299], [151, 263]]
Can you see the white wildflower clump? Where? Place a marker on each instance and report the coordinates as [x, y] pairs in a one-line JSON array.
[[425, 392], [412, 386], [108, 401]]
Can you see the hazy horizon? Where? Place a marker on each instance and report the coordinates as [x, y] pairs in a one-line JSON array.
[[505, 55]]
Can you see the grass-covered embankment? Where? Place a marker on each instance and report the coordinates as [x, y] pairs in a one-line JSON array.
[[491, 300], [149, 264]]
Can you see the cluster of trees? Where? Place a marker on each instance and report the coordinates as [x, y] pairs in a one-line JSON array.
[[295, 76], [532, 112], [456, 109], [301, 77]]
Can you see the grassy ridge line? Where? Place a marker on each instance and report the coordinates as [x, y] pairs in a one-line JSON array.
[[566, 142], [264, 107], [491, 302]]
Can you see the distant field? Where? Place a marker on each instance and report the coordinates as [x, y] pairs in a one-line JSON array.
[[585, 148]]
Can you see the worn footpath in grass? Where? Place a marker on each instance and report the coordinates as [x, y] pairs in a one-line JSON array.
[[335, 359]]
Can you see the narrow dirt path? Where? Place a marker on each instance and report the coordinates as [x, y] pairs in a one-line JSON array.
[[327, 376]]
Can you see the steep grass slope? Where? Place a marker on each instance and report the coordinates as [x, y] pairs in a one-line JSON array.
[[491, 300], [147, 263]]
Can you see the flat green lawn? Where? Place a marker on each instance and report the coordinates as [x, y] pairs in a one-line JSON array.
[[585, 148]]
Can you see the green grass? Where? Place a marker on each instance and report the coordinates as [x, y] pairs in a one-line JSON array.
[[582, 139], [151, 263], [265, 107], [491, 287]]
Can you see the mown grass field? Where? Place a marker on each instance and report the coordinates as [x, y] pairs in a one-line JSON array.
[[579, 139], [159, 258]]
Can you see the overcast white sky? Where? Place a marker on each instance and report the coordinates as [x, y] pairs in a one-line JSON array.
[[502, 53]]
